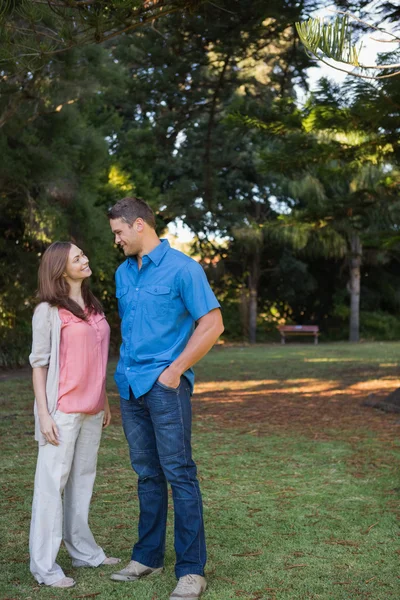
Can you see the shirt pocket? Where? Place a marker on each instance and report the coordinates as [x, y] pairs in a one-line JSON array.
[[157, 300], [122, 296]]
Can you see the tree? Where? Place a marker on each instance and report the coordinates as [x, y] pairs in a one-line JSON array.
[[54, 166], [55, 153], [176, 139], [337, 182]]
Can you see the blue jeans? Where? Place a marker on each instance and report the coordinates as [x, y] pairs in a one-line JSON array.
[[157, 427]]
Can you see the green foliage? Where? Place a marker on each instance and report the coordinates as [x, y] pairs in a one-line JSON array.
[[379, 326], [197, 114], [32, 33], [15, 345], [333, 40], [54, 168]]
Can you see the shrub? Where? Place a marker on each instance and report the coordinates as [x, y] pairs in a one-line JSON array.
[[15, 346], [379, 326]]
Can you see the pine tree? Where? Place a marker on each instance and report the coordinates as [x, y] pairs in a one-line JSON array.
[[184, 152]]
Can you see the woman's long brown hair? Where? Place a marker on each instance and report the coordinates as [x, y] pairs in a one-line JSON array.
[[54, 289]]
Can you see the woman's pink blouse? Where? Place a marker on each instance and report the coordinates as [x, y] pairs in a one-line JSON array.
[[83, 362]]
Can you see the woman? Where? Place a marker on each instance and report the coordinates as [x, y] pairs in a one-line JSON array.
[[69, 359]]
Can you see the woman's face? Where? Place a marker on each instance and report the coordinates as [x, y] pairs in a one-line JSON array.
[[77, 267]]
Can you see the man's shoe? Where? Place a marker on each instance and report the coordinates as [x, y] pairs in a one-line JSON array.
[[135, 570], [190, 587]]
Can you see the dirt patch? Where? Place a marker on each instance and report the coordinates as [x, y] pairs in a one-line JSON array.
[[321, 409]]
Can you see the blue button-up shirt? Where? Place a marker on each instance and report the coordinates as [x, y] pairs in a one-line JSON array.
[[158, 305]]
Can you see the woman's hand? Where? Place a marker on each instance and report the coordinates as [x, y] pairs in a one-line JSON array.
[[107, 414], [49, 429]]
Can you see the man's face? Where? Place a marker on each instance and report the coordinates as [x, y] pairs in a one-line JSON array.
[[126, 236]]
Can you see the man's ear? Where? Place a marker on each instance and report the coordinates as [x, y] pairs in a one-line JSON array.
[[139, 225]]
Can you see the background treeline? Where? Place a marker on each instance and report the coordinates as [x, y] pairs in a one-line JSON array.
[[294, 208]]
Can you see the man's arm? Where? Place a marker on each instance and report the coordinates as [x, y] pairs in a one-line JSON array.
[[209, 328]]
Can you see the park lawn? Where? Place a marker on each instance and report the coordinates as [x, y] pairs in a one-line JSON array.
[[300, 482]]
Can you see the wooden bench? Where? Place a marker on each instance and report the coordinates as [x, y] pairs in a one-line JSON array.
[[285, 330]]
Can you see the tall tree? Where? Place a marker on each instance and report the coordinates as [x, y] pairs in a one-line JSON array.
[[54, 166], [338, 183], [187, 76]]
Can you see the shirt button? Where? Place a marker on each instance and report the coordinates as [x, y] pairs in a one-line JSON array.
[[128, 368], [137, 289]]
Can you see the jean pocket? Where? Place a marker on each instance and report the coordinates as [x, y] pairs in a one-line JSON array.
[[166, 387]]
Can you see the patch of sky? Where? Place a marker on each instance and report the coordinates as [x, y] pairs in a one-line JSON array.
[[112, 143], [278, 206], [150, 115], [179, 229], [257, 195], [180, 138]]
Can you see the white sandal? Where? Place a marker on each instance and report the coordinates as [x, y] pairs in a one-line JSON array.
[[111, 560], [65, 582]]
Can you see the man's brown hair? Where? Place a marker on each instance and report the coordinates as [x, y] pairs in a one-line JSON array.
[[130, 209], [53, 287]]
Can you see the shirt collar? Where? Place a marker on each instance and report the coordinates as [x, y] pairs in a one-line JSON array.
[[157, 254]]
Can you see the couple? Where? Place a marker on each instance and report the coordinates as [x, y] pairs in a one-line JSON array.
[[161, 294]]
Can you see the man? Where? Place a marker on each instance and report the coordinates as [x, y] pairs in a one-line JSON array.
[[162, 294]]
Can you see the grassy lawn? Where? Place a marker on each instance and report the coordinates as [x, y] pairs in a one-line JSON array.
[[300, 482]]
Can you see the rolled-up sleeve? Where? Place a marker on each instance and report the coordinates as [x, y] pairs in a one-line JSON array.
[[41, 337], [196, 292]]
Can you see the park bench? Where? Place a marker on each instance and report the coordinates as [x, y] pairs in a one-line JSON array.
[[285, 330]]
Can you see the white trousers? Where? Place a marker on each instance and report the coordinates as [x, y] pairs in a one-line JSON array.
[[69, 468]]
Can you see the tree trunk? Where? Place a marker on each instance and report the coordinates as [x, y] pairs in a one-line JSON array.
[[244, 312], [254, 277], [208, 179], [354, 287], [253, 316]]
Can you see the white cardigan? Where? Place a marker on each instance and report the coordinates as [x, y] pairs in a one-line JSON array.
[[46, 335]]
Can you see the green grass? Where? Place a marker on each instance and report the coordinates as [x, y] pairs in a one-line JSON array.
[[300, 360], [288, 516]]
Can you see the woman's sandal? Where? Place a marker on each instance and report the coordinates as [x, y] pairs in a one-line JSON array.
[[111, 560], [65, 582]]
